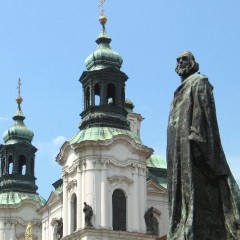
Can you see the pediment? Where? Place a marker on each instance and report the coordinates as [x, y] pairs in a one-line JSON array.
[[52, 198], [155, 188]]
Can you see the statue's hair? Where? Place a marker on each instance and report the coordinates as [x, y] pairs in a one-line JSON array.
[[194, 66]]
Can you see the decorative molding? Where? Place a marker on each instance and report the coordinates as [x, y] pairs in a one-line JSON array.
[[72, 184], [126, 140], [120, 180]]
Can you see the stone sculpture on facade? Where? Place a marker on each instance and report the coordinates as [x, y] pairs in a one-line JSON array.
[[59, 228], [88, 215], [204, 199], [148, 216]]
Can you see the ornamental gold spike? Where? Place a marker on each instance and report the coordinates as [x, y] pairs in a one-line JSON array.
[[102, 18], [19, 98]]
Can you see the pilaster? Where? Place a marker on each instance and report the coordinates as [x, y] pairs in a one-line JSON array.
[[65, 206]]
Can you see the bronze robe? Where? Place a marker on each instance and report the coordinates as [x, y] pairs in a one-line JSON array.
[[204, 199]]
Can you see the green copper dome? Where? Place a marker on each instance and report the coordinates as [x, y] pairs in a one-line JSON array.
[[102, 134], [13, 198], [103, 56], [157, 161], [18, 132]]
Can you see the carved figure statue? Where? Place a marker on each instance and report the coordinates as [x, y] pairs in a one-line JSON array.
[[59, 228], [148, 216], [88, 214], [204, 199]]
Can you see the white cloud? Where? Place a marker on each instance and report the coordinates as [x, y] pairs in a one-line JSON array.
[[58, 141], [48, 150], [4, 118]]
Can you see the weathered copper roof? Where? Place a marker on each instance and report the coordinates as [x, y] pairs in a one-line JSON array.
[[103, 56], [18, 132], [157, 161], [11, 198], [102, 133]]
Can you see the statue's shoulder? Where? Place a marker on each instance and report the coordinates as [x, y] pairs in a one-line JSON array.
[[198, 77], [200, 81]]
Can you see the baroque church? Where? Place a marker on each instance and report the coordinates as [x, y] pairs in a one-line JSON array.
[[112, 186]]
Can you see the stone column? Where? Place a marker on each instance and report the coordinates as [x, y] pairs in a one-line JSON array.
[[2, 229], [104, 198], [89, 196], [65, 206], [97, 194], [12, 230], [15, 163], [92, 96], [143, 197], [104, 93], [79, 197], [6, 230], [135, 203], [83, 195]]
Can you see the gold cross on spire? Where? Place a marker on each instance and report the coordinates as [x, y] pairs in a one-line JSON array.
[[101, 5], [102, 18], [19, 98], [19, 87]]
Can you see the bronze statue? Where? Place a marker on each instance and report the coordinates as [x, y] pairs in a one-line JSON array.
[[204, 199], [88, 214]]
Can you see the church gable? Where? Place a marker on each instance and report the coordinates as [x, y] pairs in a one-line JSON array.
[[155, 188]]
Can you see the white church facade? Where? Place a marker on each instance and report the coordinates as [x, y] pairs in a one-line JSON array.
[[112, 186]]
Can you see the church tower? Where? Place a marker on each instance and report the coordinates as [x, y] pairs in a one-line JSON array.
[[104, 86], [18, 156], [19, 200], [104, 165]]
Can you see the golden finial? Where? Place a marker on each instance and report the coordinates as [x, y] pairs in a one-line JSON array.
[[28, 232], [102, 18], [19, 98]]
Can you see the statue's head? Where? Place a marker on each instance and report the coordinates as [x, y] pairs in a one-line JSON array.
[[186, 65]]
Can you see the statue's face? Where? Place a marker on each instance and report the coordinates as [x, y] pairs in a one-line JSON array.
[[183, 65]]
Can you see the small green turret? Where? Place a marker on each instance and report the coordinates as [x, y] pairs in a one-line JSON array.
[[17, 156]]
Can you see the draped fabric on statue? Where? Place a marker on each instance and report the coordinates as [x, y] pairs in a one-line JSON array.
[[204, 199]]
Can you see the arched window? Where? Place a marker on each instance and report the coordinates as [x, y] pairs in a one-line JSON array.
[[10, 165], [73, 212], [119, 210], [97, 99], [87, 98], [22, 165], [111, 94]]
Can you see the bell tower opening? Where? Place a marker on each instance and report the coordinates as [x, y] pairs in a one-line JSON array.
[[111, 94], [22, 165], [97, 99]]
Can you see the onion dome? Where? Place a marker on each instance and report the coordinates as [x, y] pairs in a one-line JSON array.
[[103, 56], [18, 132]]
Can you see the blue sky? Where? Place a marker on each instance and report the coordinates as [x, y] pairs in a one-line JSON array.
[[46, 42]]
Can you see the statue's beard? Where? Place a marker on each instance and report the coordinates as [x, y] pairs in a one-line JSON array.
[[183, 71]]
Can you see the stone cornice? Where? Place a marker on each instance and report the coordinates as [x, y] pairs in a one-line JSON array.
[[121, 138]]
